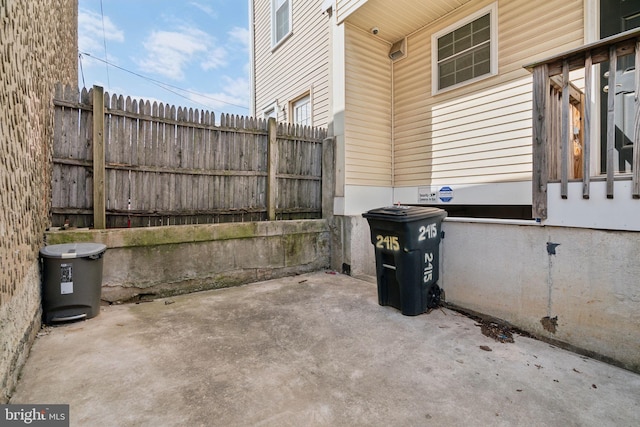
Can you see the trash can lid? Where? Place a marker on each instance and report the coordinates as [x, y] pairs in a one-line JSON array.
[[72, 250], [401, 213]]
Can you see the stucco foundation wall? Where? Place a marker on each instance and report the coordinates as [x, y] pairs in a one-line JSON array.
[[352, 251], [509, 272], [38, 48], [591, 283], [162, 261]]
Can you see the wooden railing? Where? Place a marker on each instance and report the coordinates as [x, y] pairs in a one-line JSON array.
[[563, 118]]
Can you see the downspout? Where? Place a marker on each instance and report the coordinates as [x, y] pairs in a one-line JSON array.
[[252, 70], [393, 137]]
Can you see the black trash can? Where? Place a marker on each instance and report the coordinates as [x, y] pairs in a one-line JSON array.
[[71, 281], [407, 247]]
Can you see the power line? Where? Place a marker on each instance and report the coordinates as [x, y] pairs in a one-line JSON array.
[[104, 40], [81, 69], [166, 86]]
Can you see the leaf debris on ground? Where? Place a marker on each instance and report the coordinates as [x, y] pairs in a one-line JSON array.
[[501, 333]]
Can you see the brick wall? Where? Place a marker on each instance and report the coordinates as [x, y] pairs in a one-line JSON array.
[[38, 47]]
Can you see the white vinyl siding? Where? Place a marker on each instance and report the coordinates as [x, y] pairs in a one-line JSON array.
[[344, 8], [480, 132], [368, 151], [297, 65]]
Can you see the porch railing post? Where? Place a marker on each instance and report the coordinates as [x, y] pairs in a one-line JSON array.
[[611, 136], [99, 205], [636, 128], [586, 151], [540, 172], [564, 131]]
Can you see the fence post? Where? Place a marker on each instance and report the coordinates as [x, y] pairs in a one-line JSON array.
[[328, 181], [272, 168], [99, 208]]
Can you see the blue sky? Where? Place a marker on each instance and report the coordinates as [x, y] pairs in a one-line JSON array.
[[199, 48]]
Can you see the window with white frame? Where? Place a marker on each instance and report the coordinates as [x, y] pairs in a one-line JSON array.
[[301, 111], [466, 51], [280, 20]]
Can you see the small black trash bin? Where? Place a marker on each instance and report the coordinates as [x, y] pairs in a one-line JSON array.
[[71, 281], [407, 246]]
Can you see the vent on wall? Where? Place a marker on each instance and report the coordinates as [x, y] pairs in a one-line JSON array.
[[398, 50]]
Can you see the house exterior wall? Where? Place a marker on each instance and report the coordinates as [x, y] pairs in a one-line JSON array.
[[297, 66], [481, 132], [475, 139], [38, 47], [368, 148]]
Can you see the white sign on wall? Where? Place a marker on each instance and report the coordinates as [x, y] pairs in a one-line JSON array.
[[427, 195]]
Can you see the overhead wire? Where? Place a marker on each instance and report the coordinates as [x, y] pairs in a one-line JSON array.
[[104, 41], [167, 86], [81, 69]]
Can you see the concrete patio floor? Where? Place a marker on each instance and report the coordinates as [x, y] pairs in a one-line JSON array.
[[314, 349]]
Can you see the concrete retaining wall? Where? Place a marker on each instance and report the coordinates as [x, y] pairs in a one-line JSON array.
[[161, 261], [591, 284]]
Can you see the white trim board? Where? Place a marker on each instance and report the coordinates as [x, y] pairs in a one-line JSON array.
[[620, 213]]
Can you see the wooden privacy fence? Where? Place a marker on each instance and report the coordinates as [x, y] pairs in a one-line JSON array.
[[120, 162]]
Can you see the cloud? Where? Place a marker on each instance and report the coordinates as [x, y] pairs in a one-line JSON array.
[[234, 94], [216, 58], [90, 32], [237, 87], [204, 8], [169, 52], [240, 35]]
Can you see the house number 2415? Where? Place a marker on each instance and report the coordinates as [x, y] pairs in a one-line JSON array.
[[427, 232], [389, 243]]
